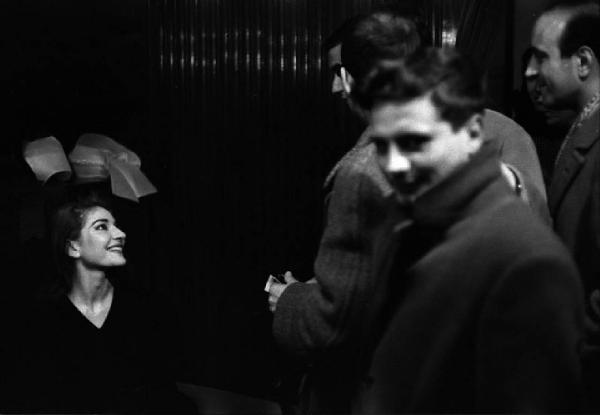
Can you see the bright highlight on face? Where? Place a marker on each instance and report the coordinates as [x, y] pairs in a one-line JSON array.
[[100, 242], [416, 149], [334, 62]]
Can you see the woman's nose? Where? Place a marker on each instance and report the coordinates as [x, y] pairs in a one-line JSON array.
[[118, 233]]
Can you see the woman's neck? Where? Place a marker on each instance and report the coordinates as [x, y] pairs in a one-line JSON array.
[[90, 288]]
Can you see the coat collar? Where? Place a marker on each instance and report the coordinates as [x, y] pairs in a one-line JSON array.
[[363, 141], [457, 195], [573, 157]]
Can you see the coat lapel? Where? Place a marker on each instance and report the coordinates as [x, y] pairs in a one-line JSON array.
[[572, 159]]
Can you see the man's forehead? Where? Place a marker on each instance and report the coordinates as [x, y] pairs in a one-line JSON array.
[[334, 55], [417, 115], [549, 27]]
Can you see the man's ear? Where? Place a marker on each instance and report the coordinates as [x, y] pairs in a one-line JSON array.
[[347, 80], [584, 60], [73, 249], [474, 127]]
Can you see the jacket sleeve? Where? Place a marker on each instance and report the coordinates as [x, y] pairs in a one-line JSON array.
[[516, 148], [311, 318], [530, 339]]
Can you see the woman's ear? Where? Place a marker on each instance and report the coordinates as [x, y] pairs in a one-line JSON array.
[[73, 249]]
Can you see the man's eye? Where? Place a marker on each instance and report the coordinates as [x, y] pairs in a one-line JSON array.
[[539, 56], [336, 69], [380, 146], [412, 143]]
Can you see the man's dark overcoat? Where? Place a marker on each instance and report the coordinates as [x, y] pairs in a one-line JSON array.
[[476, 306], [574, 198], [574, 201]]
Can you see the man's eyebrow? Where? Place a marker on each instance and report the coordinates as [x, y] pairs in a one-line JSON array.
[[374, 138], [402, 136], [411, 136], [538, 53]]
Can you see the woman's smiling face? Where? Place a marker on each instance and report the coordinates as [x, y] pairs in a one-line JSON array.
[[100, 242]]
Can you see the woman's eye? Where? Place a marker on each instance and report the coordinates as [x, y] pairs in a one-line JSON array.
[[101, 227]]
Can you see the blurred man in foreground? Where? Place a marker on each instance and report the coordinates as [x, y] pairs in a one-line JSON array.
[[474, 305]]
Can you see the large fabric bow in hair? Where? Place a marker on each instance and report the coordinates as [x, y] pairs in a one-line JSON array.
[[94, 158]]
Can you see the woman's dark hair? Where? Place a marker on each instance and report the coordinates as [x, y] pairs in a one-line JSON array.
[[456, 85], [65, 225]]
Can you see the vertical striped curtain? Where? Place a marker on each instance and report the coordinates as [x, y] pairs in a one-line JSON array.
[[482, 29], [245, 131]]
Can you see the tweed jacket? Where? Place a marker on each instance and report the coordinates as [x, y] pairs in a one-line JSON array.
[[475, 306]]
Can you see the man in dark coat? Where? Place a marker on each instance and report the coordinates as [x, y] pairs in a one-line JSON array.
[[474, 304], [565, 67]]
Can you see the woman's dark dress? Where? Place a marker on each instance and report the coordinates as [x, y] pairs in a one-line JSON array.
[[124, 366]]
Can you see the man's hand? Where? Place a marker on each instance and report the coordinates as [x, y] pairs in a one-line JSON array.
[[275, 289]]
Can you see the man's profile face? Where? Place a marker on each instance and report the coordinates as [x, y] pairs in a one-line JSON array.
[[553, 117], [415, 148], [334, 63], [555, 77]]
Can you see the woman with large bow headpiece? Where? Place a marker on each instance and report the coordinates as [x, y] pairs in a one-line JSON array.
[[95, 343]]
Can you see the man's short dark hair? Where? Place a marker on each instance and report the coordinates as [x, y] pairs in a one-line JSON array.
[[379, 36], [341, 33], [581, 27], [455, 85]]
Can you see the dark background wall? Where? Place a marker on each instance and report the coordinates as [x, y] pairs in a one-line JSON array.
[[227, 103]]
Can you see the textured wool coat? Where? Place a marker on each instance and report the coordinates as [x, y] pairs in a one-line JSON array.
[[475, 306], [574, 200]]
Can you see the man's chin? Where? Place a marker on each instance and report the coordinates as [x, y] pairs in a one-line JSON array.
[[406, 193], [559, 118], [403, 199]]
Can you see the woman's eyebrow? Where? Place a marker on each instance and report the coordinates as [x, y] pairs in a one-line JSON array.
[[99, 220]]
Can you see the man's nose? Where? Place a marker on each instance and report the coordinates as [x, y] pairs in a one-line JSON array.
[[336, 85], [397, 162], [532, 70]]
